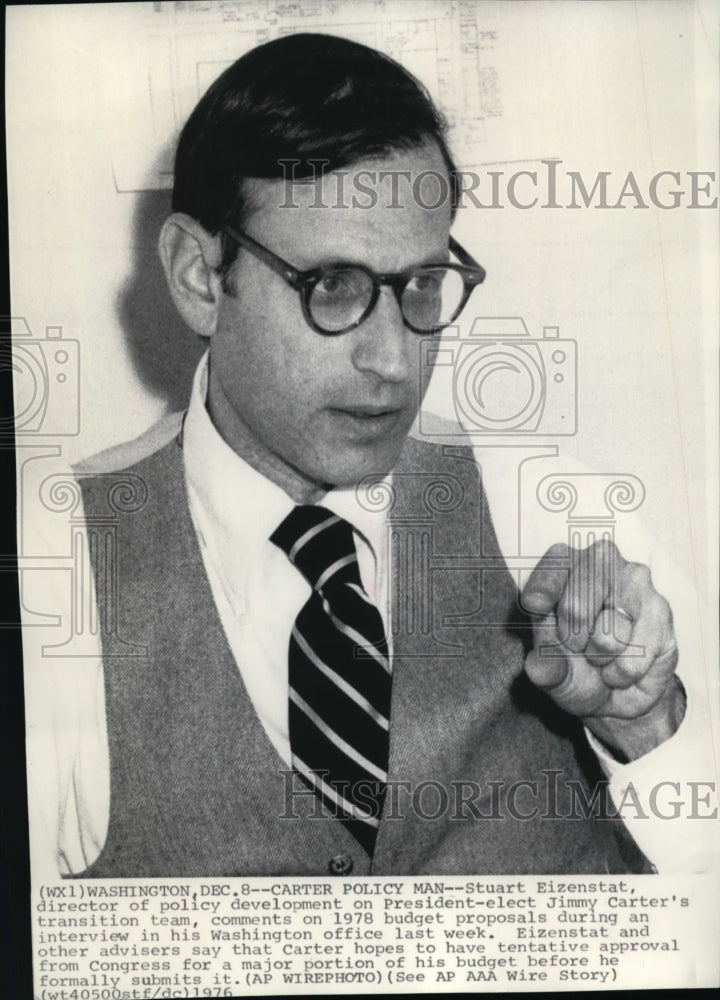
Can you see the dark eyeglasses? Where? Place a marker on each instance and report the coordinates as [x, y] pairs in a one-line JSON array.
[[339, 297]]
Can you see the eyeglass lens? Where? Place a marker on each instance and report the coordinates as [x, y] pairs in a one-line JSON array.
[[430, 298]]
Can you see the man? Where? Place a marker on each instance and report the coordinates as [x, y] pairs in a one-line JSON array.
[[244, 637]]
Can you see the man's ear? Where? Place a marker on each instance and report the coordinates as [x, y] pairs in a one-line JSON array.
[[189, 256]]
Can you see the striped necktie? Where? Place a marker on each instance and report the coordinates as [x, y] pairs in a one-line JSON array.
[[339, 674]]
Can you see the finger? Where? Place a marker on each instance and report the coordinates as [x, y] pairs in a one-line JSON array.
[[588, 587], [547, 581], [610, 636], [652, 656], [546, 664], [631, 586], [572, 684]]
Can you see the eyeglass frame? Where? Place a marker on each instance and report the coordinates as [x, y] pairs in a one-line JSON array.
[[304, 282]]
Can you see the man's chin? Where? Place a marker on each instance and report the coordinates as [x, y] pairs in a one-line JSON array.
[[357, 465]]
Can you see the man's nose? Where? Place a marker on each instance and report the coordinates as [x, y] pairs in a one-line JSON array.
[[384, 344]]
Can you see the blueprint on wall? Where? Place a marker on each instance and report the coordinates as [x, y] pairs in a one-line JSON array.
[[451, 45]]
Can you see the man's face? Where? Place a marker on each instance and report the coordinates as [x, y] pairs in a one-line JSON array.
[[307, 410]]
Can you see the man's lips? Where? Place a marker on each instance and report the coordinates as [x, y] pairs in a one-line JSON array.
[[369, 419], [370, 410]]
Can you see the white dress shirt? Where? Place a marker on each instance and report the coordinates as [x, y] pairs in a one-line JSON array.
[[244, 566], [234, 510]]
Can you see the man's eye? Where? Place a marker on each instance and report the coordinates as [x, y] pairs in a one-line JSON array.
[[428, 282], [338, 284]]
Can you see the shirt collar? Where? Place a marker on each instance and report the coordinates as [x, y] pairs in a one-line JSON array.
[[244, 506], [241, 504]]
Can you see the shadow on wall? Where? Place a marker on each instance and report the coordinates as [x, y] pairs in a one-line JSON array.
[[163, 350]]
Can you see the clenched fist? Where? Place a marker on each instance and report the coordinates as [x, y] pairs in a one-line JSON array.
[[604, 646]]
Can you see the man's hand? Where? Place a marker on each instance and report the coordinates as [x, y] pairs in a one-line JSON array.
[[604, 646]]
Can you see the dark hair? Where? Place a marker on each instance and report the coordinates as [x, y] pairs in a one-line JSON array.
[[302, 98]]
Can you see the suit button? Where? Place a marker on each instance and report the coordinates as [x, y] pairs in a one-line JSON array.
[[341, 864]]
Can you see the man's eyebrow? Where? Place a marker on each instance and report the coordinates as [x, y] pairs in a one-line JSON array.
[[330, 260]]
